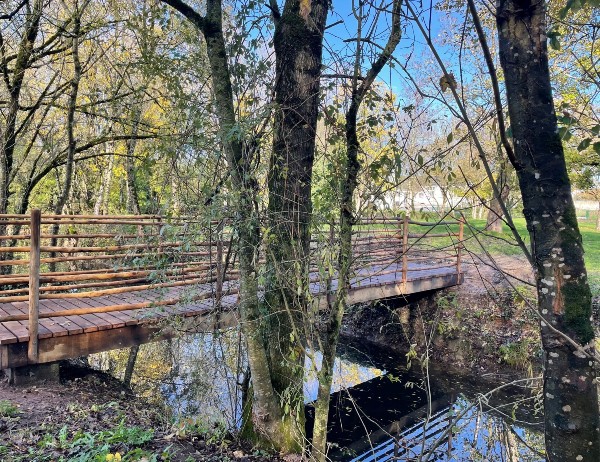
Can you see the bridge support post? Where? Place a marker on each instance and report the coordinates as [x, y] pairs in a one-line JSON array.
[[36, 373], [34, 285]]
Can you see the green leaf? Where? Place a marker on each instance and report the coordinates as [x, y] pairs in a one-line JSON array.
[[554, 43], [449, 138], [420, 159], [596, 129], [596, 147], [564, 133], [584, 144]]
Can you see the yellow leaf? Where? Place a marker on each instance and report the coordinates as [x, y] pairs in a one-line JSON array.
[[305, 8], [448, 81]]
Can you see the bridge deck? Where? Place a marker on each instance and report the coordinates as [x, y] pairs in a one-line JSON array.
[[63, 337], [93, 296]]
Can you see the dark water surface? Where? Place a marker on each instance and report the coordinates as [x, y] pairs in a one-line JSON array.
[[381, 410]]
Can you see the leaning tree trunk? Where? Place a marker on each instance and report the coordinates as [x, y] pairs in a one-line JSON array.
[[570, 390], [298, 43]]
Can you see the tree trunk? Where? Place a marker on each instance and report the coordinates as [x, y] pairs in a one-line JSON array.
[[298, 43], [101, 205], [8, 133], [494, 218], [267, 414], [570, 391], [72, 143], [347, 221], [133, 201]]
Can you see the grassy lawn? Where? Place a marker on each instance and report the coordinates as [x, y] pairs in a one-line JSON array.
[[504, 244]]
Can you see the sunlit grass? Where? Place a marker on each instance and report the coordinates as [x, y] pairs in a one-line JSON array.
[[479, 241]]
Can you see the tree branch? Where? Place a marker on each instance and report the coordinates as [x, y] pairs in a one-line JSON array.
[[196, 18], [9, 16], [274, 7], [494, 78]]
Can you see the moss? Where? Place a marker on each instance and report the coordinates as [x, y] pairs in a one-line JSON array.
[[578, 309]]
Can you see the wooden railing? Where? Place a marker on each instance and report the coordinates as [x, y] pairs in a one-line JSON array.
[[94, 256]]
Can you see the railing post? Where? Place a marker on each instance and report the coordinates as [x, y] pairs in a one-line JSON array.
[[219, 284], [332, 265], [34, 285], [405, 249], [461, 226]]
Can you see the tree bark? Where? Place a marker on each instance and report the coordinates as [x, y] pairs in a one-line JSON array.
[[8, 135], [298, 43], [564, 297], [71, 142], [101, 205]]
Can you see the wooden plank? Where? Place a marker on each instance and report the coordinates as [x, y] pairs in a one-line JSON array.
[[89, 323], [16, 308], [69, 324], [57, 325], [51, 325], [43, 332], [128, 317], [46, 329], [100, 323], [19, 330], [6, 336], [114, 322], [157, 312]]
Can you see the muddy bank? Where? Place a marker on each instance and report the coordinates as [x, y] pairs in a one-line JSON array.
[[486, 323]]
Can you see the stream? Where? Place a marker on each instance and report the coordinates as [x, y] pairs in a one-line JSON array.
[[380, 409]]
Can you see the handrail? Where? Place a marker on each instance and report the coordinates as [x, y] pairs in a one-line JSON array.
[[115, 254]]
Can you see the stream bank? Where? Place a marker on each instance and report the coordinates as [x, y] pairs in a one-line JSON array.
[[486, 324]]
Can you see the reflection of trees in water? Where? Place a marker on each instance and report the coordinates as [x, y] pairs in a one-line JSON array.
[[196, 376], [482, 436]]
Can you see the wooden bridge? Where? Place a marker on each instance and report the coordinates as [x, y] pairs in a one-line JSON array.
[[72, 285]]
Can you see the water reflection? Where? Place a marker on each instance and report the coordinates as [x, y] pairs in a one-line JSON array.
[[380, 410]]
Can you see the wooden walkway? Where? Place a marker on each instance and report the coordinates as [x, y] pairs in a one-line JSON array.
[[85, 293]]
